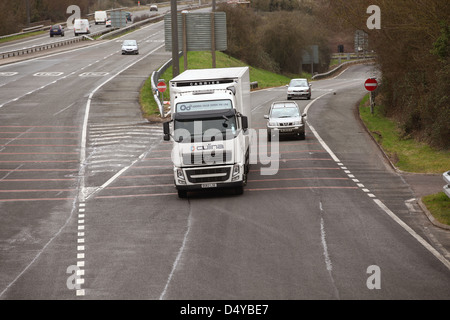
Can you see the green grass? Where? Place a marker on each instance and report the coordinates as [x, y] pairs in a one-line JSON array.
[[407, 154], [203, 60], [22, 36], [439, 205]]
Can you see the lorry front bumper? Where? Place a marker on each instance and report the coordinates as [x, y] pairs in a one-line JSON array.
[[209, 186], [197, 178]]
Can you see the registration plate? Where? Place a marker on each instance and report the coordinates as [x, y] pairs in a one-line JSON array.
[[209, 185], [285, 130]]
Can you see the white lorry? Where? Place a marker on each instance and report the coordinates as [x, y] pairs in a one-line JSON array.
[[211, 113], [100, 17]]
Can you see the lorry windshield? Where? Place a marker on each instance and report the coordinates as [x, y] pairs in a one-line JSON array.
[[207, 129]]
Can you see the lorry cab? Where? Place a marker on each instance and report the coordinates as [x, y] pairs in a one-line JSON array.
[[209, 129]]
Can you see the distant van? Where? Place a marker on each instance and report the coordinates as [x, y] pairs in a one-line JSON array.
[[100, 17], [81, 26]]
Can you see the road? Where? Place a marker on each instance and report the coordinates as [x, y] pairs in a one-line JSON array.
[[45, 39], [89, 210]]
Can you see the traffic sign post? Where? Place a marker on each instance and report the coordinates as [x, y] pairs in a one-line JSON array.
[[371, 84], [161, 86]]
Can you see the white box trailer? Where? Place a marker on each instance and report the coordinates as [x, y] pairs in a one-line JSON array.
[[211, 114]]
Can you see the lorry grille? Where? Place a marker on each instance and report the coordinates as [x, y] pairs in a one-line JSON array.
[[207, 158], [208, 175]]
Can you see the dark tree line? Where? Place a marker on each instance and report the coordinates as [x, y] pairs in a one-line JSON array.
[[413, 48], [273, 38]]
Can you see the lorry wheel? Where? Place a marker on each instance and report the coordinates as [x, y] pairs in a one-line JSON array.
[[182, 194], [239, 191]]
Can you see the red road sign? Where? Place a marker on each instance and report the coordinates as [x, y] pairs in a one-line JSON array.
[[161, 86], [370, 84]]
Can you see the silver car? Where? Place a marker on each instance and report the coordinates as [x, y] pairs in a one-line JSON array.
[[285, 118], [299, 88], [130, 47]]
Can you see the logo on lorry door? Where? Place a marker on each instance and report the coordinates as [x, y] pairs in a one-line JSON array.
[[207, 147]]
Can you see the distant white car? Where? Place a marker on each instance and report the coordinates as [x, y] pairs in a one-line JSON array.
[[153, 7], [299, 88], [108, 23], [130, 47]]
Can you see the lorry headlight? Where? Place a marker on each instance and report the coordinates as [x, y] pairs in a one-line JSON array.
[[236, 171], [180, 177]]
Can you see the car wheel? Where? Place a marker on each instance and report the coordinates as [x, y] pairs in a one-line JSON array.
[[269, 136], [51, 36], [301, 136], [289, 98]]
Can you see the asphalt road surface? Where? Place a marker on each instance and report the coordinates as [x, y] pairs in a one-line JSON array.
[[89, 210]]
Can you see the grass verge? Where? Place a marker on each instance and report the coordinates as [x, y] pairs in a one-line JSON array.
[[22, 36], [200, 60], [439, 206], [409, 155]]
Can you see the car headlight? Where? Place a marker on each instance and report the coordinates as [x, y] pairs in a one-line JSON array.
[[272, 124], [297, 123]]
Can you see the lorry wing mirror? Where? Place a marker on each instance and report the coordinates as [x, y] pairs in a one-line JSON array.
[[232, 89], [166, 128], [244, 122]]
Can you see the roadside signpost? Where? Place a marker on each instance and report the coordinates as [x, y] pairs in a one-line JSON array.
[[161, 86], [371, 84]]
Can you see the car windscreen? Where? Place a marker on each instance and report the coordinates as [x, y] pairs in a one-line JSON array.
[[286, 112], [129, 43], [298, 83]]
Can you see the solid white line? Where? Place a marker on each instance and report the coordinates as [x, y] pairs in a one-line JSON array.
[[41, 251], [175, 264], [85, 124], [413, 233], [324, 145], [382, 206]]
